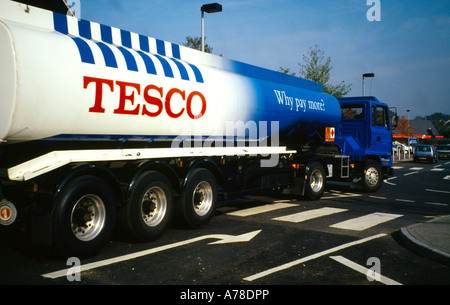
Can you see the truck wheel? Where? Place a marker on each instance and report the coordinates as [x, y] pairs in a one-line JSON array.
[[373, 176], [315, 182], [196, 206], [84, 217], [148, 212]]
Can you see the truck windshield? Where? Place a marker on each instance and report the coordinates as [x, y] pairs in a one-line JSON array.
[[352, 112]]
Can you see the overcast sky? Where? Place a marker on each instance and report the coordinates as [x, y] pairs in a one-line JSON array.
[[408, 49]]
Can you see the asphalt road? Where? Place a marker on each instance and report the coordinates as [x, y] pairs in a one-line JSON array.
[[265, 241]]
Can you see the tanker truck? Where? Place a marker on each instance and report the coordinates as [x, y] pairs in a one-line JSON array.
[[103, 130]]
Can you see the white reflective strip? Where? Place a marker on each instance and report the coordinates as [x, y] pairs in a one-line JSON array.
[[56, 159]]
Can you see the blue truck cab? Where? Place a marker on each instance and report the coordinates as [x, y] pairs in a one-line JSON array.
[[365, 135]]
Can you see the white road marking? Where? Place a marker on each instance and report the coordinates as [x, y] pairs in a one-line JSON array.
[[222, 238], [411, 173], [377, 197], [437, 169], [404, 200], [307, 215], [447, 177], [383, 279], [415, 168], [365, 222], [437, 191], [388, 182], [262, 209], [437, 203], [341, 196], [310, 257]]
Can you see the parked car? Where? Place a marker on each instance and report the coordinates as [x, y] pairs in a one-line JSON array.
[[424, 152], [443, 151]]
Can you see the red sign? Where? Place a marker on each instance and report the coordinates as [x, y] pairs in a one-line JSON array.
[[329, 134]]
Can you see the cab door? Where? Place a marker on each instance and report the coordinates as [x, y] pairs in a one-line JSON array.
[[381, 139]]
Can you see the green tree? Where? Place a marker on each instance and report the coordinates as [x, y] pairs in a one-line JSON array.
[[196, 43], [317, 67]]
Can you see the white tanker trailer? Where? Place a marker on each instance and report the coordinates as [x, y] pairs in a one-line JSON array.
[[102, 128]]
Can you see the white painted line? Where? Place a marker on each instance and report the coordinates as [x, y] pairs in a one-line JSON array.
[[365, 222], [437, 169], [222, 238], [378, 197], [404, 200], [447, 177], [411, 173], [262, 209], [416, 168], [310, 257], [397, 167], [361, 269], [335, 196], [307, 215], [437, 191], [385, 181], [437, 203]]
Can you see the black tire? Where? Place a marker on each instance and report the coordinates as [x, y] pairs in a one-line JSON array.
[[149, 209], [84, 217], [196, 206], [372, 176], [315, 181]]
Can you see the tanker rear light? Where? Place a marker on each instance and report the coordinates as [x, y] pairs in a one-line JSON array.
[[352, 165], [295, 165]]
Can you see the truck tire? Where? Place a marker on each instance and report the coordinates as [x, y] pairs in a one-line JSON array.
[[149, 209], [84, 217], [315, 181], [373, 176], [196, 206]]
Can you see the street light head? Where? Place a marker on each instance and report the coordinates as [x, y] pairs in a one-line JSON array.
[[211, 8], [366, 75]]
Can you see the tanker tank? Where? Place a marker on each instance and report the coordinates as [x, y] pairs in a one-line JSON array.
[[69, 79]]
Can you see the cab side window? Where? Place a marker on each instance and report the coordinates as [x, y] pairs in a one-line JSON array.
[[379, 116]]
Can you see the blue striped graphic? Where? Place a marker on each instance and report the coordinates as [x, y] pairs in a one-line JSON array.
[[108, 55], [129, 59], [106, 33], [60, 23], [84, 27], [85, 50], [183, 71], [106, 45], [166, 66], [143, 43], [160, 47], [176, 51], [149, 65]]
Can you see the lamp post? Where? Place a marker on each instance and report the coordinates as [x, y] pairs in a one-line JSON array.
[[209, 8], [366, 75]]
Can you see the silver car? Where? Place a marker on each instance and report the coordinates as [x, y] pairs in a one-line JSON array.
[[424, 152], [443, 151]]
